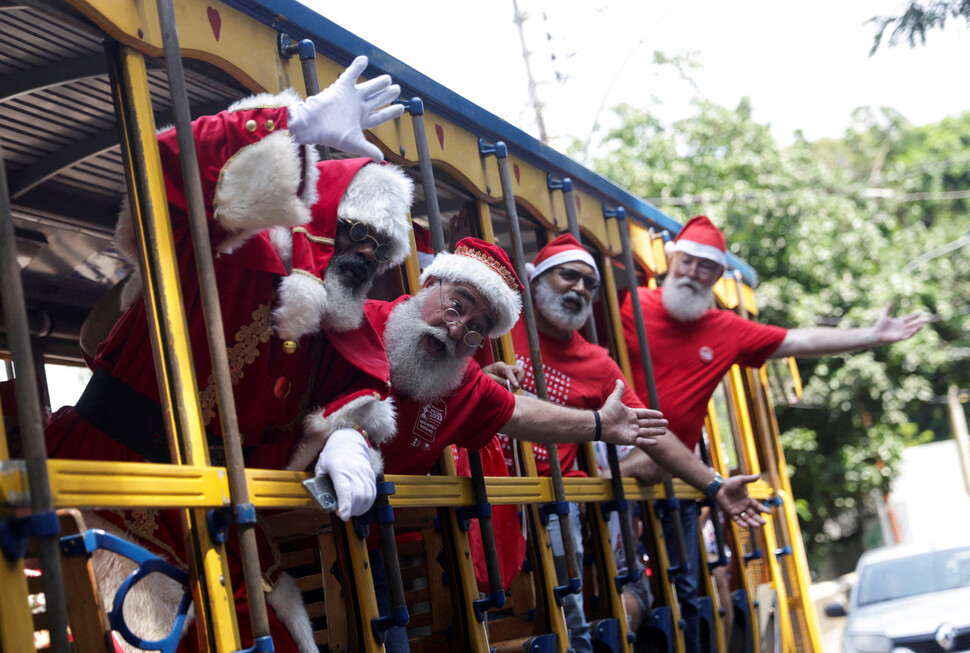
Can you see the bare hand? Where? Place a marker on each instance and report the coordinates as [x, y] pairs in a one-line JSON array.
[[507, 376], [734, 500], [888, 329], [624, 425]]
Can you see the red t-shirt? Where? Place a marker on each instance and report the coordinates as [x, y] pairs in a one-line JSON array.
[[469, 417], [578, 374], [690, 358]]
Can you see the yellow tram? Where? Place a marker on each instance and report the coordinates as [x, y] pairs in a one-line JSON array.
[[82, 97]]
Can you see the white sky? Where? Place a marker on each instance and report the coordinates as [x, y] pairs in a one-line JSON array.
[[805, 65]]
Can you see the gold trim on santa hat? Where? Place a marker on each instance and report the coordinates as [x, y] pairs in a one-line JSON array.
[[492, 264]]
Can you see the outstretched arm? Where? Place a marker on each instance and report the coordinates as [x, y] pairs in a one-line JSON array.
[[673, 456], [820, 341], [541, 421]]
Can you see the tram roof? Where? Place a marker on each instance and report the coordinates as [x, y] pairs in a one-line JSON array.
[[335, 42]]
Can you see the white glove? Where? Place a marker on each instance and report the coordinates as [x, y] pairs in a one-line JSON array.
[[346, 458], [337, 115]]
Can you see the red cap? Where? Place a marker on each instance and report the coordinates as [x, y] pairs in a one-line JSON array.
[[700, 238], [564, 248]]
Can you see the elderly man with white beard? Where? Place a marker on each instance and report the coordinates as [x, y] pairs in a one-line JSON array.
[[441, 394], [692, 346]]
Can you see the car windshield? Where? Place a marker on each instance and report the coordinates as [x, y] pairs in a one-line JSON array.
[[917, 574]]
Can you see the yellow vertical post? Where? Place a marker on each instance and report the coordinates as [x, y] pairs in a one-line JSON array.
[[211, 590]]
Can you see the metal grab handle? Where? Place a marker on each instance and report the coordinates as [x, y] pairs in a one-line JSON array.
[[616, 481], [235, 465], [308, 63], [28, 405], [496, 587], [714, 511], [620, 214], [528, 314], [392, 565], [415, 107]]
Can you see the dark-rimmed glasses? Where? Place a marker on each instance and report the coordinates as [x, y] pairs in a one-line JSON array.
[[571, 276], [473, 338], [359, 232]]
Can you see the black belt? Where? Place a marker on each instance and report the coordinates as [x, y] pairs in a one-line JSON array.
[[131, 419]]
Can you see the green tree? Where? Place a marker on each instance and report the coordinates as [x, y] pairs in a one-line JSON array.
[[829, 250], [918, 18]]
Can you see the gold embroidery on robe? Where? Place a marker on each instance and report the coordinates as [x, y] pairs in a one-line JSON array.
[[243, 353]]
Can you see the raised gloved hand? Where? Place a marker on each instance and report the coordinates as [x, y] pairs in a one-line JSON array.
[[346, 458], [337, 115]]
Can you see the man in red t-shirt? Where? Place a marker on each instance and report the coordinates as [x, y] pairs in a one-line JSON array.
[[441, 394], [692, 346]]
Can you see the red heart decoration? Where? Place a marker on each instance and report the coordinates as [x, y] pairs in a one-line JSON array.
[[441, 135], [515, 169], [215, 21]]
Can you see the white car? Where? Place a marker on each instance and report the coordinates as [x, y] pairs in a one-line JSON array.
[[909, 599]]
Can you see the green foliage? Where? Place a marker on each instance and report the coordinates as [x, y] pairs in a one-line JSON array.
[[918, 18], [835, 229]]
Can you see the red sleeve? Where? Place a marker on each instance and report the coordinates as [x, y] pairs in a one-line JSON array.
[[758, 341], [614, 374], [493, 408]]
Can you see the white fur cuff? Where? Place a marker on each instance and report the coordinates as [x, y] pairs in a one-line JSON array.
[[378, 418], [302, 301]]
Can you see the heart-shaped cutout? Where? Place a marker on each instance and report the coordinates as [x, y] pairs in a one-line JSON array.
[[440, 132]]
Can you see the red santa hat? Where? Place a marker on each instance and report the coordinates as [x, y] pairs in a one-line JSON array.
[[487, 268], [379, 195], [564, 248], [700, 238]]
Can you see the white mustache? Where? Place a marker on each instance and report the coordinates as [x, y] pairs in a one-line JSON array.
[[575, 296], [441, 334]]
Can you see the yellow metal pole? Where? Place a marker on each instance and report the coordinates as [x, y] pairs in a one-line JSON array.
[[211, 590]]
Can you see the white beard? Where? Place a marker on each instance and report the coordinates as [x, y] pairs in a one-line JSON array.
[[686, 300], [551, 304], [413, 371], [344, 308]]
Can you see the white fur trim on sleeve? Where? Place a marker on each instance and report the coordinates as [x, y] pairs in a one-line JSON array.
[[375, 416], [302, 301], [286, 98], [258, 188], [287, 602]]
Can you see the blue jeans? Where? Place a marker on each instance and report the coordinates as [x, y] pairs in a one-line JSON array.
[[686, 583], [397, 636], [580, 638]]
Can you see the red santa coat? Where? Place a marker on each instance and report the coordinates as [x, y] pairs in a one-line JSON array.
[[578, 374], [469, 418], [259, 186], [690, 358]]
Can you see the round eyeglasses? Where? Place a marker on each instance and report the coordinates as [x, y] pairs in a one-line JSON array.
[[359, 232], [473, 338]]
